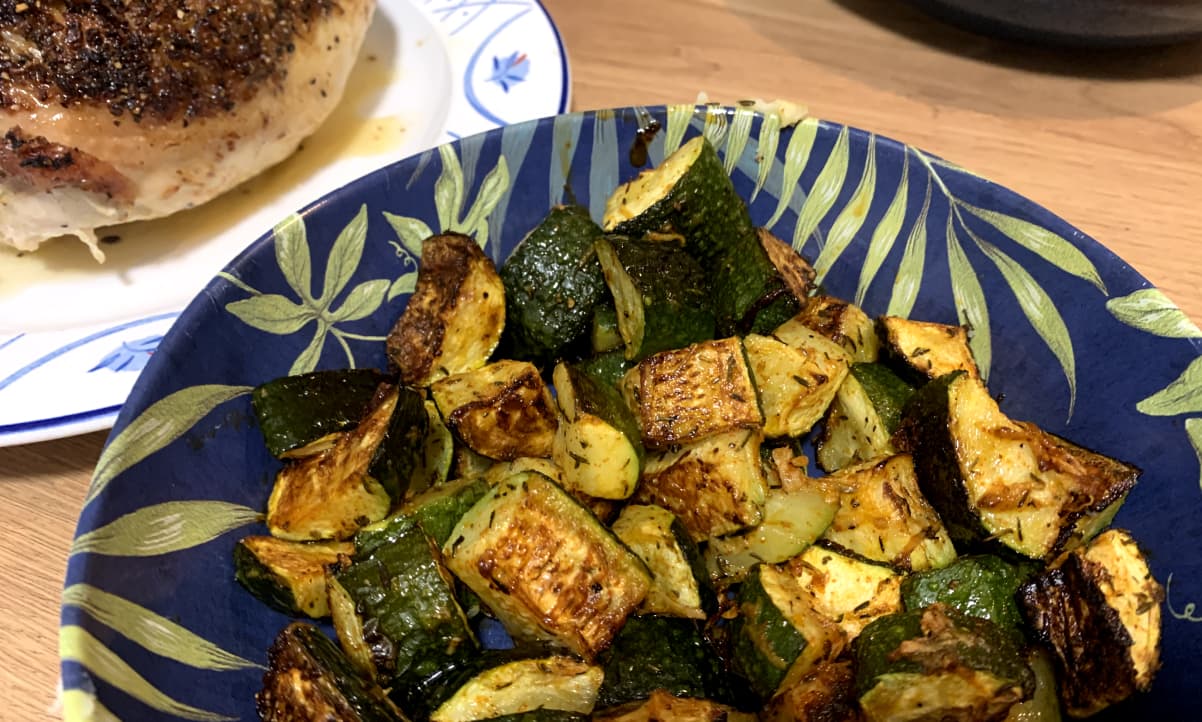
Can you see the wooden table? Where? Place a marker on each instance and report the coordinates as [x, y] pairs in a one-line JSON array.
[[1111, 141]]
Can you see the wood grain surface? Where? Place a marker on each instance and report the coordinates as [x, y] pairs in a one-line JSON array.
[[1110, 140]]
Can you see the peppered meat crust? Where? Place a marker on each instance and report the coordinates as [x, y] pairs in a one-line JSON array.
[[146, 59]]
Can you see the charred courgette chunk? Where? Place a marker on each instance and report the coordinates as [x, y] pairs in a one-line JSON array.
[[978, 585], [851, 592], [687, 394], [331, 494], [863, 416], [690, 196], [883, 517], [827, 693], [308, 678], [440, 508], [778, 632], [665, 653], [288, 576], [661, 295], [597, 444], [926, 350], [503, 410], [678, 581], [793, 519], [664, 707], [555, 682], [545, 566], [715, 486], [795, 383], [991, 477], [455, 316], [1098, 610], [842, 322], [404, 606], [938, 664], [553, 283], [301, 415]]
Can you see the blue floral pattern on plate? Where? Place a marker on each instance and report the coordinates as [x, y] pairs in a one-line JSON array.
[[154, 627]]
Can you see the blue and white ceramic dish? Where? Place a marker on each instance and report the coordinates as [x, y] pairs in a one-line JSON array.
[[74, 335], [154, 625]]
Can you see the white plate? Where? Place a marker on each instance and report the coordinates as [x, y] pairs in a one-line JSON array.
[[73, 335]]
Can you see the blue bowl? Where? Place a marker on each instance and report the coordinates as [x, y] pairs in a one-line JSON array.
[[154, 625], [1093, 23]]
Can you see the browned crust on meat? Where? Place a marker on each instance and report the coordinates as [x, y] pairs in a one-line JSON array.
[[153, 60], [44, 166]]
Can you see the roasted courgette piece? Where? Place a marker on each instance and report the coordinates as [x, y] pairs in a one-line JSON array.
[[609, 367], [288, 576], [938, 664], [991, 477], [665, 653], [597, 444], [605, 335], [412, 454], [863, 417], [678, 582], [555, 682], [849, 591], [664, 707], [503, 410], [455, 316], [884, 518], [1044, 704], [1098, 611], [795, 383], [690, 393], [331, 494], [827, 693], [404, 604], [796, 272], [545, 566], [715, 486], [308, 678], [924, 349], [542, 714], [793, 519], [777, 631], [979, 585], [661, 295], [301, 415], [843, 322], [552, 285], [690, 195], [439, 509]]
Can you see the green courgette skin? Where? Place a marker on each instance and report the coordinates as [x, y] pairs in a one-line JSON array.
[[971, 643], [552, 284], [401, 456], [308, 677], [935, 455], [763, 642], [608, 367], [294, 411], [596, 395], [675, 292], [441, 511], [705, 209], [887, 391], [656, 652], [979, 585], [419, 697], [406, 600], [262, 582]]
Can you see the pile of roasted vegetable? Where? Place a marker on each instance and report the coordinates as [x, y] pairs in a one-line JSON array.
[[648, 542]]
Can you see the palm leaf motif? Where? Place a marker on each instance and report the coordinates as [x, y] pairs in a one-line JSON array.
[[450, 198], [825, 191], [281, 315], [164, 528], [851, 217], [158, 425], [76, 644], [1151, 311], [152, 631]]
